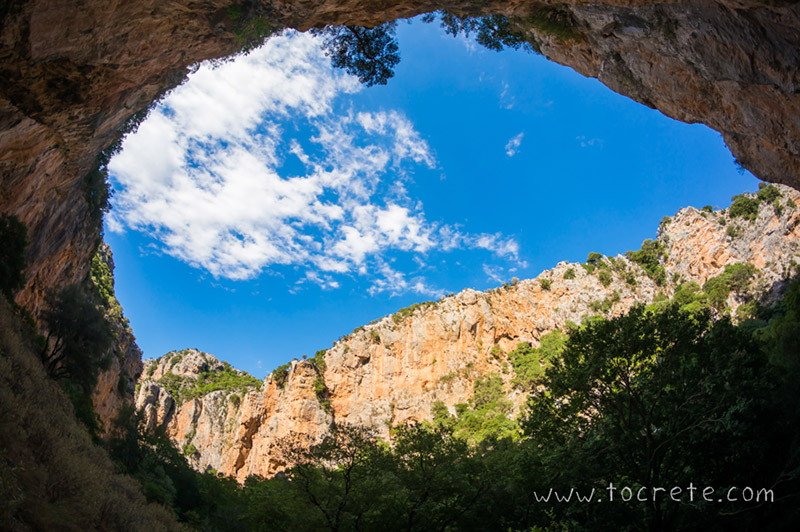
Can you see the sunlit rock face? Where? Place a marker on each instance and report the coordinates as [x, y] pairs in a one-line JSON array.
[[74, 72], [390, 372]]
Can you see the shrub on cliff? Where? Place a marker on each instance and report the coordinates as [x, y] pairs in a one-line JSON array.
[[183, 388], [735, 278], [744, 206], [13, 236], [280, 375], [649, 258]]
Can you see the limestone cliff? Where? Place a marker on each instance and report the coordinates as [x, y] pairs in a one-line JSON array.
[[74, 72], [115, 385], [392, 370]]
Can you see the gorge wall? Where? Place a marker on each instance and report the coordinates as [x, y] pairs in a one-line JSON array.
[[391, 371], [72, 73]]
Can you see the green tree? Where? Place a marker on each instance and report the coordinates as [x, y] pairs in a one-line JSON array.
[[654, 398], [367, 53], [78, 338]]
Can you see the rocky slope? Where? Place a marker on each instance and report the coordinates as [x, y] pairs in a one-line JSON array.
[[73, 72], [391, 371]]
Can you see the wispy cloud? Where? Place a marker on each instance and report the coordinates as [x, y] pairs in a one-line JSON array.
[[512, 146], [207, 175], [507, 100], [585, 142]]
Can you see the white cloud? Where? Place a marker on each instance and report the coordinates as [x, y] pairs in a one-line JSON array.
[[588, 142], [493, 273], [512, 146], [205, 175]]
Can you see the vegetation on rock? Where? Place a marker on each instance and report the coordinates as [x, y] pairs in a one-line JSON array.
[[184, 388], [649, 257]]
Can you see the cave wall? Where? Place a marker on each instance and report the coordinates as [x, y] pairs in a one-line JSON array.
[[72, 72]]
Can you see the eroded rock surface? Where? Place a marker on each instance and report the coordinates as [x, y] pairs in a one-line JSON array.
[[391, 371]]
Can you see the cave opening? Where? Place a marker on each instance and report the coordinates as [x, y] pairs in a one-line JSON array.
[[271, 190]]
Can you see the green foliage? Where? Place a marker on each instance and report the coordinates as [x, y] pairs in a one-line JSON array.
[[649, 257], [736, 278], [594, 258], [367, 53], [605, 277], [102, 278], [781, 334], [319, 360], [251, 24], [95, 184], [494, 32], [555, 21], [569, 274], [530, 363], [545, 284], [768, 193], [280, 375], [96, 190], [321, 392], [707, 208], [190, 450], [488, 413], [603, 306], [404, 313], [734, 231], [612, 398], [744, 206], [184, 388], [78, 338], [13, 236]]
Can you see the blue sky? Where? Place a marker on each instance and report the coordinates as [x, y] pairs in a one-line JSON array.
[[272, 204]]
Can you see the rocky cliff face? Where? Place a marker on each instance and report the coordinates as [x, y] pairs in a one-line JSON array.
[[115, 385], [391, 371], [73, 72]]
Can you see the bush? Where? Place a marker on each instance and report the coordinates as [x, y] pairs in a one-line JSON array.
[[280, 375], [404, 313], [594, 258], [649, 258], [605, 277], [530, 363], [545, 284], [319, 360], [744, 206], [768, 193], [570, 273], [736, 278], [13, 236]]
